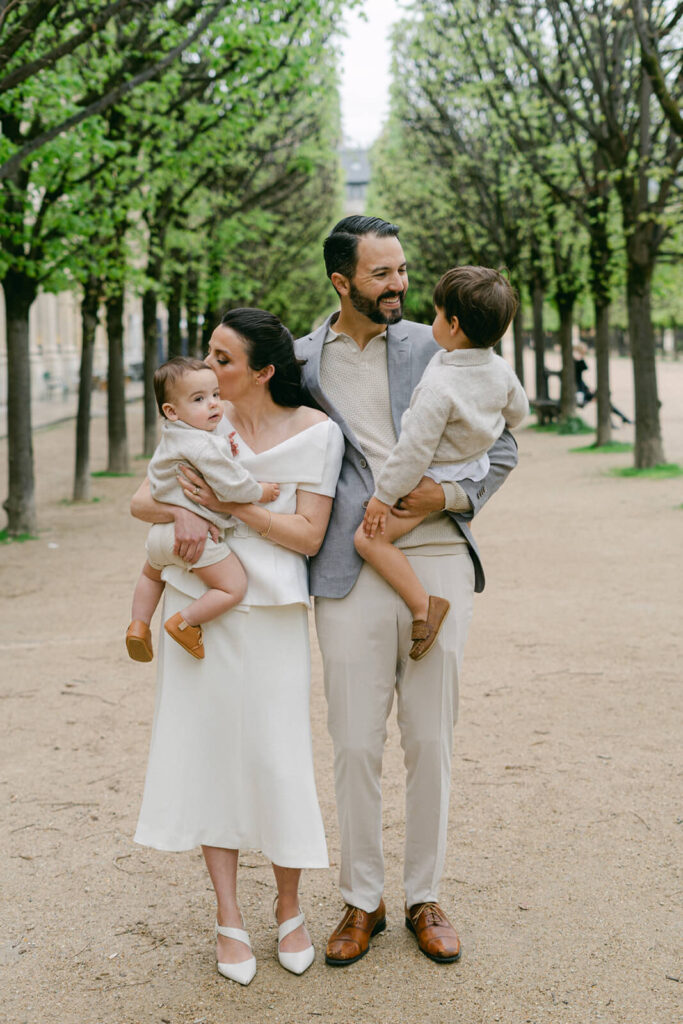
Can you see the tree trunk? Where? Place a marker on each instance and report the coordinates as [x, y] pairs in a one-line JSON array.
[[604, 427], [175, 341], [116, 387], [192, 310], [89, 310], [643, 237], [537, 296], [20, 291], [157, 223], [151, 361], [565, 307], [600, 252], [210, 321], [518, 334], [649, 450]]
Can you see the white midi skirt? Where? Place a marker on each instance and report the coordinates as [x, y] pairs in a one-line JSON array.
[[231, 761]]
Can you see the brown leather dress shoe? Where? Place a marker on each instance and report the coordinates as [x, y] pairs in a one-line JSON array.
[[425, 631], [435, 934], [351, 938]]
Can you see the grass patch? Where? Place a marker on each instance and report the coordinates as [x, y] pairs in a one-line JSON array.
[[106, 472], [573, 425], [19, 539], [544, 428], [609, 449], [88, 501], [662, 472]]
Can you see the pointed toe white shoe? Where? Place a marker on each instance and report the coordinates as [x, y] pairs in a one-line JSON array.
[[241, 972], [299, 962]]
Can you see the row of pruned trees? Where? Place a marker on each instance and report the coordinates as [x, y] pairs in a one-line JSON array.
[[186, 150], [544, 135]]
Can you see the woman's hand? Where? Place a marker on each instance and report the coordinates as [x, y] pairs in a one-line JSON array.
[[191, 532], [196, 489]]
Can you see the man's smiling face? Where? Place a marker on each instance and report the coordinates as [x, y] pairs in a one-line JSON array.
[[380, 281]]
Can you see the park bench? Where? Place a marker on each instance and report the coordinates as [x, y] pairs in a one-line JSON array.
[[547, 409]]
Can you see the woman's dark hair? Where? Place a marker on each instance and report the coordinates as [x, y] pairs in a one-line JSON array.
[[268, 342], [341, 245]]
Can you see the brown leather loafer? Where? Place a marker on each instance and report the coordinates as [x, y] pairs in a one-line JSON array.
[[425, 631], [350, 940], [139, 641], [436, 936]]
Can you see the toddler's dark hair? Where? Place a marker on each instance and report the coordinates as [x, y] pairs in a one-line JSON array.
[[481, 298]]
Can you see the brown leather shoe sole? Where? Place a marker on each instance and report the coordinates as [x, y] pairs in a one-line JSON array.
[[436, 959], [139, 641], [379, 927]]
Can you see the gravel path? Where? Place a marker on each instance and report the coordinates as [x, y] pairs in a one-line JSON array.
[[565, 826]]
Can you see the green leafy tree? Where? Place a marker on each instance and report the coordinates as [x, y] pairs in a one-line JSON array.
[[64, 68], [596, 81]]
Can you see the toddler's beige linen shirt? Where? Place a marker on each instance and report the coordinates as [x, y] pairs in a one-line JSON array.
[[462, 404], [357, 383]]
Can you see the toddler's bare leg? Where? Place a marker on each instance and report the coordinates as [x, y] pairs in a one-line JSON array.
[[147, 594], [392, 564], [228, 582]]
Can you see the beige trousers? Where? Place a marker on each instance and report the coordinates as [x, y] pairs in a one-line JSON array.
[[365, 638]]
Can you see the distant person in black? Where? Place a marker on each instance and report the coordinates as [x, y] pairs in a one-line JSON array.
[[584, 395]]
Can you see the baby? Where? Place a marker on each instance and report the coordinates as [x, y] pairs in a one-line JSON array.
[[188, 398], [465, 399]]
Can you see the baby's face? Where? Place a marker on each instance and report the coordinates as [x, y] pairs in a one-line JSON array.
[[196, 400]]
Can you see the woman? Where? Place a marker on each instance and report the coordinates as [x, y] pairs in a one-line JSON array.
[[230, 763]]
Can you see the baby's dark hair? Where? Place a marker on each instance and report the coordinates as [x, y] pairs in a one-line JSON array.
[[481, 298], [168, 374], [269, 343]]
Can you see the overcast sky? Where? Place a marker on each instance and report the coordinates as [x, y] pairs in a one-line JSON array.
[[365, 70]]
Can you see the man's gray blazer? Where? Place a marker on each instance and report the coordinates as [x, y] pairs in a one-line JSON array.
[[410, 346]]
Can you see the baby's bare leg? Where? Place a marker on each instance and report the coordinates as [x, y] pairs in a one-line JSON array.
[[392, 564], [228, 582], [147, 594]]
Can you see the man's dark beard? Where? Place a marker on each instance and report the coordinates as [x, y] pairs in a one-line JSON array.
[[370, 307]]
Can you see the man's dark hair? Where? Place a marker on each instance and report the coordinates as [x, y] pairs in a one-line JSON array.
[[481, 298], [341, 245]]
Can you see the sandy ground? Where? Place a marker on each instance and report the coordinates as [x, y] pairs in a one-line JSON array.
[[565, 836]]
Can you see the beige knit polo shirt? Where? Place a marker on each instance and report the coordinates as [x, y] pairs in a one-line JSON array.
[[357, 383]]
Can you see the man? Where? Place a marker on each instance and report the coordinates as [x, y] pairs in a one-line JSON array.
[[361, 367]]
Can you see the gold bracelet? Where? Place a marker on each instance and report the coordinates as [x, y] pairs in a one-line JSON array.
[[270, 523]]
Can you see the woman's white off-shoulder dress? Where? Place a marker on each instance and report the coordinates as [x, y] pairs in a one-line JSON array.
[[230, 761]]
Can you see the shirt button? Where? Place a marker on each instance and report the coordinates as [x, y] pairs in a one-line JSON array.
[[363, 464], [366, 503]]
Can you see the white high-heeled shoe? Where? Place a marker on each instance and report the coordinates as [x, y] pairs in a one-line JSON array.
[[299, 962], [241, 972]]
